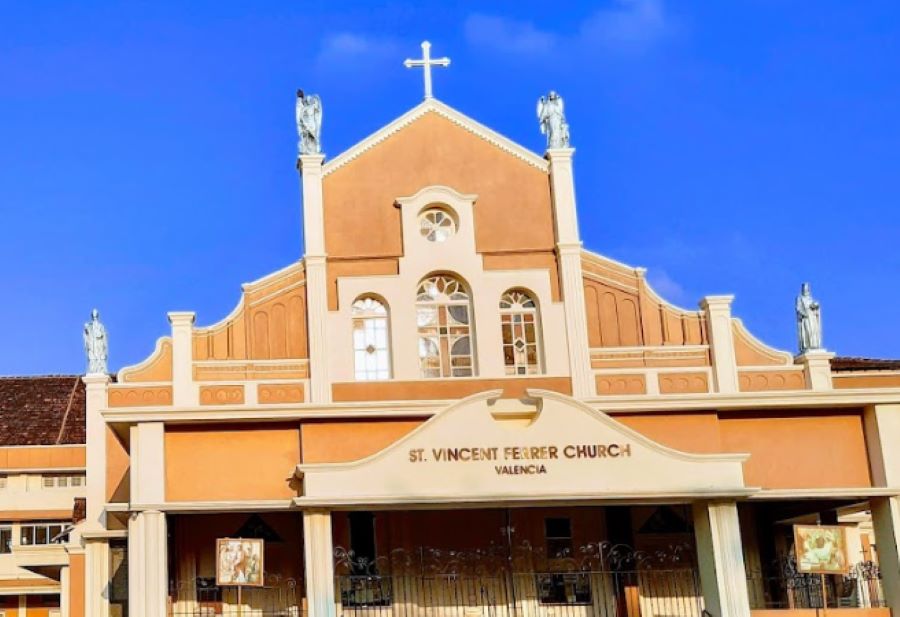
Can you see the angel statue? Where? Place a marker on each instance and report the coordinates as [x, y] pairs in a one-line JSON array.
[[309, 123], [809, 320], [552, 117], [96, 345]]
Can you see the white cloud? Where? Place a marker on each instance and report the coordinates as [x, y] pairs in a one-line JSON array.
[[667, 287], [628, 26], [344, 51], [507, 35], [631, 25]]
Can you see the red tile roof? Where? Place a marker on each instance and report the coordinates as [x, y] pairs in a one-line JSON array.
[[42, 411], [846, 363]]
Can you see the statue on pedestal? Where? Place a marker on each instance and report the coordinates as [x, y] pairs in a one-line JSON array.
[[809, 321], [309, 123], [96, 345], [552, 118]]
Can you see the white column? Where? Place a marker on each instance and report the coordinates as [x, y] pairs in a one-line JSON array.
[[184, 391], [882, 429], [23, 606], [310, 167], [148, 464], [96, 386], [568, 246], [817, 368], [720, 557], [147, 564], [318, 555], [65, 590], [717, 310], [96, 578], [886, 521]]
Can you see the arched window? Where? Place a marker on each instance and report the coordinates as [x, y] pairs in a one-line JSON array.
[[520, 323], [371, 356], [444, 321]]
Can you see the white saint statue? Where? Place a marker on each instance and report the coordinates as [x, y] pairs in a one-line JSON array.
[[809, 321], [96, 345], [309, 123], [552, 118]]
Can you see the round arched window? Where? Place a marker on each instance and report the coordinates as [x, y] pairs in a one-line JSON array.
[[445, 330], [436, 224]]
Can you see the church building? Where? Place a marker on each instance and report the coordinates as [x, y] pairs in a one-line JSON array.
[[431, 416]]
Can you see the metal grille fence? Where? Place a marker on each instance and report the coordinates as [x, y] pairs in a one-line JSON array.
[[597, 580], [280, 597], [782, 586]]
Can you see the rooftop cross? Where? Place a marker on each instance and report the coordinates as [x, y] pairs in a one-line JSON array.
[[426, 62]]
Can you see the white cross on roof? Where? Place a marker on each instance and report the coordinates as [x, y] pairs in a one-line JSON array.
[[426, 62]]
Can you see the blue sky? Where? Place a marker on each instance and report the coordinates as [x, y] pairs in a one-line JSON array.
[[147, 148]]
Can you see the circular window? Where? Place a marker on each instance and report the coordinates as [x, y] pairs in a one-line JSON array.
[[436, 224]]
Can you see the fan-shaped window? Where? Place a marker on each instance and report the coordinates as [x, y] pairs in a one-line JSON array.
[[371, 356], [436, 224], [520, 323], [443, 318]]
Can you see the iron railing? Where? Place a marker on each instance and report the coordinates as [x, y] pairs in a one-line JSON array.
[[782, 586], [595, 580], [279, 597]]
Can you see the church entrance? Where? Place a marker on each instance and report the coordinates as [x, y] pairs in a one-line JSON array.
[[528, 562]]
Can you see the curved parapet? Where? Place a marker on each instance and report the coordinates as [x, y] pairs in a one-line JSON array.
[[156, 368], [268, 323], [624, 311], [750, 351]]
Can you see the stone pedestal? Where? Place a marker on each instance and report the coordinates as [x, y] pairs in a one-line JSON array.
[[817, 368]]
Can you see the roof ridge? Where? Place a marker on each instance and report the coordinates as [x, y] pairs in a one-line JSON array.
[[44, 376]]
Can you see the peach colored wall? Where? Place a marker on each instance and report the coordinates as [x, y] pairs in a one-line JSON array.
[[118, 462], [271, 324], [795, 451], [443, 389], [696, 433], [527, 261], [360, 217], [76, 585], [36, 515], [759, 381], [616, 385], [231, 462], [158, 369], [42, 457], [355, 267], [748, 354], [865, 381], [336, 442], [143, 396], [622, 312]]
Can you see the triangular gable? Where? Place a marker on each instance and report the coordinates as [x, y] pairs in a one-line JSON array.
[[460, 119], [475, 451]]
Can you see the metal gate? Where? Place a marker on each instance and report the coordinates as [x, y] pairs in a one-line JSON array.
[[600, 579]]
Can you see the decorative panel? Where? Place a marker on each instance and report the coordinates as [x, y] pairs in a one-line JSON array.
[[759, 381], [221, 395], [272, 393], [140, 396], [615, 385], [683, 383]]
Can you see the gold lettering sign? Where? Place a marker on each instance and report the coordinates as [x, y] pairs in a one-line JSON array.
[[519, 460]]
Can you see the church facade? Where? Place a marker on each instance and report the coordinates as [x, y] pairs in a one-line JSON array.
[[449, 407]]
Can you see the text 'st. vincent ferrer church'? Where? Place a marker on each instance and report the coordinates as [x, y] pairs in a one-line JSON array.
[[450, 408]]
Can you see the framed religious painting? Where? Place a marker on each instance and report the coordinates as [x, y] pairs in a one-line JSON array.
[[821, 549], [239, 562]]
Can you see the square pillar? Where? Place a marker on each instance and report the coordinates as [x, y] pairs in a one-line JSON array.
[[96, 386], [148, 464], [720, 557], [817, 368], [886, 521], [148, 579], [185, 392], [717, 310], [96, 578], [310, 168], [318, 552]]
